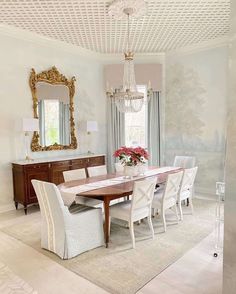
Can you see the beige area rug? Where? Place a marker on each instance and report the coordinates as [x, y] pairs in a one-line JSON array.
[[120, 269], [11, 283]]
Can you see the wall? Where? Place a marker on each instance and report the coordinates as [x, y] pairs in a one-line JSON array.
[[196, 111], [229, 272], [21, 51]]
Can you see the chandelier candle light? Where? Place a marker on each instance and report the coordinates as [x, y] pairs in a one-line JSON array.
[[128, 99]]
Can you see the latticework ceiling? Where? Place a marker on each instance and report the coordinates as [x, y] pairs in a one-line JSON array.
[[168, 25]]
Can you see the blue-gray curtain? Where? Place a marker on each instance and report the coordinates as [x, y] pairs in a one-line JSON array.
[[41, 113], [115, 132], [64, 124], [154, 129]]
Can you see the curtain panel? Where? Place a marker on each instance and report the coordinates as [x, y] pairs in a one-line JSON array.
[[154, 128], [115, 132]]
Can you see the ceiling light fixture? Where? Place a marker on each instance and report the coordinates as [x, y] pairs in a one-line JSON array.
[[128, 99]]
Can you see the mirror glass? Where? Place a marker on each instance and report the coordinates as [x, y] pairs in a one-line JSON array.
[[53, 114]]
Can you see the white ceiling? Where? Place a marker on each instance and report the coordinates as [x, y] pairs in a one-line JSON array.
[[168, 25]]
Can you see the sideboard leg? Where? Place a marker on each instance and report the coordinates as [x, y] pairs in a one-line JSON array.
[[25, 209], [16, 204]]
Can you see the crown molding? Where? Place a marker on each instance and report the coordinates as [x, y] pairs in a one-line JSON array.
[[207, 45], [35, 38]]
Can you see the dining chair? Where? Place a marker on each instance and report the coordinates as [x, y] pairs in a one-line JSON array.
[[94, 171], [186, 188], [79, 174], [167, 198], [64, 232], [138, 208], [74, 174], [119, 167], [184, 161]]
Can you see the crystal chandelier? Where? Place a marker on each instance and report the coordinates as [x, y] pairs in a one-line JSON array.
[[128, 99]]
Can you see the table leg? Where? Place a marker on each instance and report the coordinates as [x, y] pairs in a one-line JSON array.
[[106, 225]]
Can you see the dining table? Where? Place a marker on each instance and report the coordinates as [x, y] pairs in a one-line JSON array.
[[113, 186]]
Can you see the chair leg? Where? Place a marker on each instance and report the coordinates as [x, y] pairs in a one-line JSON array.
[[109, 225], [191, 204], [150, 225], [163, 219], [180, 210], [131, 229], [154, 211], [176, 212]]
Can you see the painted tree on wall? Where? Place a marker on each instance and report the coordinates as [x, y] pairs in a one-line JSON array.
[[184, 103]]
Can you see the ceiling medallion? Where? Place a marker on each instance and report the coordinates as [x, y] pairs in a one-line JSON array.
[[128, 99], [137, 8]]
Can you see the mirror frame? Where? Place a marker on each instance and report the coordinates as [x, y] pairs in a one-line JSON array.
[[53, 77]]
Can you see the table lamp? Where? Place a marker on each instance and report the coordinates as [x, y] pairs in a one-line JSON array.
[[29, 125]]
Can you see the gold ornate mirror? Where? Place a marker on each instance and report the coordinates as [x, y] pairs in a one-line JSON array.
[[53, 105]]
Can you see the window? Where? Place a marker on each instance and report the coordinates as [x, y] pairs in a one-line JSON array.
[[136, 124]]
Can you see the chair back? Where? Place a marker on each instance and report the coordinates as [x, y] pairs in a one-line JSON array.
[[143, 193], [185, 161], [119, 167], [172, 186], [188, 179], [74, 174], [52, 211], [94, 171]]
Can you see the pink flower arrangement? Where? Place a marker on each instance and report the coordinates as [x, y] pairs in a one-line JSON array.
[[131, 156]]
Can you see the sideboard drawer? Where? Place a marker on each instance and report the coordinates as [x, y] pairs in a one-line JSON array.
[[78, 163], [94, 161], [60, 163], [35, 166]]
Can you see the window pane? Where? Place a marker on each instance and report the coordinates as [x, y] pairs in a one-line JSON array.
[[51, 121], [136, 125]]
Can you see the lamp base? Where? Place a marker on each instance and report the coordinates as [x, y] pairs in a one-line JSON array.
[[89, 152], [27, 158]]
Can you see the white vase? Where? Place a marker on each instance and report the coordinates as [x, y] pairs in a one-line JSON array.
[[142, 168], [131, 171]]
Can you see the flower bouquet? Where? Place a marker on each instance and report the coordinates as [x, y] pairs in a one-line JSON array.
[[131, 158]]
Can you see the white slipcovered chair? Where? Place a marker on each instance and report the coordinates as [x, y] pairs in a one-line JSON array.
[[138, 208], [186, 188], [95, 171], [78, 174], [167, 198], [64, 233], [74, 174], [184, 161]]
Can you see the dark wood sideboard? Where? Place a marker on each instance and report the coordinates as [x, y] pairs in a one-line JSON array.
[[49, 171]]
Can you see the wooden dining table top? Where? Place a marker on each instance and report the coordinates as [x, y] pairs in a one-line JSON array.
[[121, 189]]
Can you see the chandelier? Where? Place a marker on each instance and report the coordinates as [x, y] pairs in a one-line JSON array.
[[128, 99]]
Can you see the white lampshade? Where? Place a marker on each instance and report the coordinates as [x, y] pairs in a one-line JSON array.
[[30, 124], [92, 126]]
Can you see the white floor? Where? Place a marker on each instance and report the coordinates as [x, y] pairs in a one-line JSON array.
[[196, 272]]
